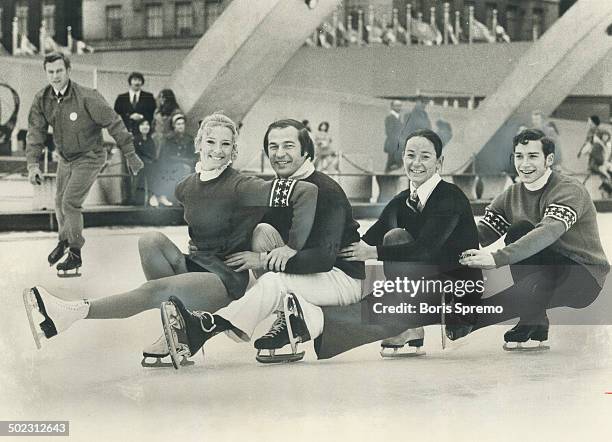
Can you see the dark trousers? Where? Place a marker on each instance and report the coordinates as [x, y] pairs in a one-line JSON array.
[[545, 280]]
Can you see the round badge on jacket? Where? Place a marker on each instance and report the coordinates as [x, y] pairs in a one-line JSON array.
[[73, 116]]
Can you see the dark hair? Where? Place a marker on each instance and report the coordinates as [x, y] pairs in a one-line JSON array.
[[136, 75], [323, 123], [524, 137], [54, 56], [430, 136], [170, 102], [306, 143], [595, 119]]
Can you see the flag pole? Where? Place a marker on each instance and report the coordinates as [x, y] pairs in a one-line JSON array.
[[69, 40], [15, 35], [446, 21]]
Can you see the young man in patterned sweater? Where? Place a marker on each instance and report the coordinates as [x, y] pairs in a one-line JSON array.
[[552, 242]]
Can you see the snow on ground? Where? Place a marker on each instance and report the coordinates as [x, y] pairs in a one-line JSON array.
[[91, 374]]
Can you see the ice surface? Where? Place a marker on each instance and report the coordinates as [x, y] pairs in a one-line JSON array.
[[91, 374]]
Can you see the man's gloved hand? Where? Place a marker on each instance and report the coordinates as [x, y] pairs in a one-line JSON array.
[[134, 163], [34, 174]]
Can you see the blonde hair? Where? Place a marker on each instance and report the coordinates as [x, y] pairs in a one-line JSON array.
[[216, 119]]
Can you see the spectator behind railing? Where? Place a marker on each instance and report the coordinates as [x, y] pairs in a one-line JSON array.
[[326, 157], [148, 178], [177, 158]]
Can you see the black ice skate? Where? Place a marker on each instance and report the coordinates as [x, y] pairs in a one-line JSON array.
[[187, 331], [58, 252], [413, 337], [283, 332], [159, 351], [522, 333], [49, 315], [72, 262]]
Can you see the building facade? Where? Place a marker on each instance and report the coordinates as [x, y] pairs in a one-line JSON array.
[[57, 14], [140, 24]]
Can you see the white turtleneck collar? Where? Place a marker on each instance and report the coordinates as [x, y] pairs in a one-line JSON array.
[[304, 171], [540, 182], [208, 175]]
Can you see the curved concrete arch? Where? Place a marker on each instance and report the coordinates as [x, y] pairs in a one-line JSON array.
[[542, 78]]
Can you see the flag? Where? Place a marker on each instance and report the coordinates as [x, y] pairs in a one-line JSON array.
[[389, 37], [501, 35], [402, 34], [82, 47], [424, 33], [451, 34], [26, 47], [481, 33], [326, 35]]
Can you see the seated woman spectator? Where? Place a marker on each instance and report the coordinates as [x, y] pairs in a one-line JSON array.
[[326, 156], [177, 158]]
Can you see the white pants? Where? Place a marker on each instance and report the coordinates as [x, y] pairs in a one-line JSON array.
[[266, 296]]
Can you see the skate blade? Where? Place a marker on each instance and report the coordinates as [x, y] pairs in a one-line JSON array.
[[280, 359], [177, 350], [396, 353], [159, 363], [65, 274], [29, 302], [520, 348]]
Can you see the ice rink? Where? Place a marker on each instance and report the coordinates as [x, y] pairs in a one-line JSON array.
[[473, 391]]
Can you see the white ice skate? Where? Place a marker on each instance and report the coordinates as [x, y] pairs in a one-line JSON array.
[[49, 315], [413, 337], [158, 351]]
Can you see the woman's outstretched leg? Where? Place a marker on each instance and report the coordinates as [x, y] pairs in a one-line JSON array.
[[198, 290]]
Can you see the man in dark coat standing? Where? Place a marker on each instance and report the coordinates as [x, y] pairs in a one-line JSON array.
[[135, 105], [393, 126]]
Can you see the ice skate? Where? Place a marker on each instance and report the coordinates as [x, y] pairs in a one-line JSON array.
[[157, 352], [187, 331], [58, 252], [49, 315], [72, 262], [283, 332], [522, 333], [413, 337]]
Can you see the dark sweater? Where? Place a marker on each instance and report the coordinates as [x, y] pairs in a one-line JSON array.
[[442, 230], [332, 229]]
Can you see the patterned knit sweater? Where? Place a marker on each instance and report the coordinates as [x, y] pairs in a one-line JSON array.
[[565, 220]]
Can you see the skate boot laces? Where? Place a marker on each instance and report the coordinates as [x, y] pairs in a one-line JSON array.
[[205, 316], [279, 326]]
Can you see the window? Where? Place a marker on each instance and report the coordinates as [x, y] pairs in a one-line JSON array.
[[538, 23], [490, 7], [114, 25], [154, 20], [512, 23], [214, 8], [184, 19], [21, 12], [48, 15]]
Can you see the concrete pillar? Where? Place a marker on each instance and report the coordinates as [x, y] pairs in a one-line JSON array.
[[541, 79], [240, 55]]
